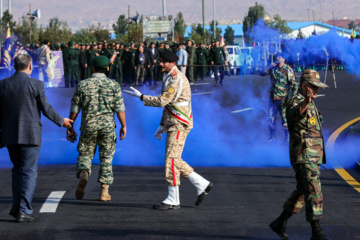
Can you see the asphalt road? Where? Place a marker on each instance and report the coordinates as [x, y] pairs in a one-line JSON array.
[[243, 202]]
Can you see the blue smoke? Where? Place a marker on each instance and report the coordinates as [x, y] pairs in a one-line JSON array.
[[230, 124]]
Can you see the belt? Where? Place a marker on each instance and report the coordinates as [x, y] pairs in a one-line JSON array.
[[181, 104]]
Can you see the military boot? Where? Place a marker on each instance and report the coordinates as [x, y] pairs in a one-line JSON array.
[[272, 136], [317, 233], [104, 194], [80, 191], [279, 225]]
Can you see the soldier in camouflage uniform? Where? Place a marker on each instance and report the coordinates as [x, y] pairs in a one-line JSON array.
[[307, 152], [282, 78], [177, 122], [98, 98]]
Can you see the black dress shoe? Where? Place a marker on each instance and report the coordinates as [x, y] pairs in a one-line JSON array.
[[164, 206], [23, 217], [202, 196], [13, 213]]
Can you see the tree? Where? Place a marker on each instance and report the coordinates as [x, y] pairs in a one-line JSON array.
[[120, 27], [22, 30], [229, 35], [57, 32], [218, 30], [279, 24], [300, 34], [180, 26], [5, 20], [352, 25], [255, 13]]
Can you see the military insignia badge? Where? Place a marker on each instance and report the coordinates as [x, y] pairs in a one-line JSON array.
[[312, 121], [317, 75], [171, 90], [167, 95]]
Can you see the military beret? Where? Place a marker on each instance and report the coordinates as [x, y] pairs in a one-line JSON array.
[[56, 45], [100, 61], [169, 56], [313, 78], [125, 45], [70, 44]]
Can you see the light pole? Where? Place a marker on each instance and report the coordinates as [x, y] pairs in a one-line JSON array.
[[214, 18]]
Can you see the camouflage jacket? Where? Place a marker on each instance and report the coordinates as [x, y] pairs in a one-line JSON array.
[[175, 87], [306, 138], [281, 79], [98, 97]]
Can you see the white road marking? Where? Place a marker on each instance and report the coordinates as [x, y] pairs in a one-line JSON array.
[[321, 95], [242, 110], [201, 93], [199, 84], [52, 202]]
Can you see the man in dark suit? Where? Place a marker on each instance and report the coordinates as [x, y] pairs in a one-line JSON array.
[[154, 57], [22, 99]]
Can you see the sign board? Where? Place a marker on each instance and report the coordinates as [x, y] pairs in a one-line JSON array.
[[272, 48], [155, 27]]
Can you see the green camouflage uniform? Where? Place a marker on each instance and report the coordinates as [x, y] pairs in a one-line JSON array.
[[98, 97], [306, 154], [281, 80]]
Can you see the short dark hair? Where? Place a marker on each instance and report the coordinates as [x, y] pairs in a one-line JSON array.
[[100, 69], [22, 62], [46, 42]]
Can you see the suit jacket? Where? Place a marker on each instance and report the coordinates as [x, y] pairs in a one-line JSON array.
[[154, 56], [22, 99], [147, 59]]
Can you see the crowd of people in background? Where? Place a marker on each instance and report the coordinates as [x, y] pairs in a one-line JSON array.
[[131, 63]]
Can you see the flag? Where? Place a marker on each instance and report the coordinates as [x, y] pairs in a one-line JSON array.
[[222, 43], [6, 57]]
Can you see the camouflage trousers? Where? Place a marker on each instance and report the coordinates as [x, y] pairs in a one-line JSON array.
[[174, 165], [106, 140], [308, 192], [275, 107]]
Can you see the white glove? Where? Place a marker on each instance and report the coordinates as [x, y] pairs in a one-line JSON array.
[[133, 92], [158, 133]]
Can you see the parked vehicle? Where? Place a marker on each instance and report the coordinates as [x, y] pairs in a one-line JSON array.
[[241, 59]]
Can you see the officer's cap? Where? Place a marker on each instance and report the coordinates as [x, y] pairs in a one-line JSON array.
[[169, 56], [313, 78], [125, 45], [70, 44], [100, 61]]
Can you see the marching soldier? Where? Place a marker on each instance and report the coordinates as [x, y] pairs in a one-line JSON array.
[[177, 122], [307, 153], [282, 78], [98, 98]]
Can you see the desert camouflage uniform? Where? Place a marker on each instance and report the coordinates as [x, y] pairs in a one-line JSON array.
[[306, 154], [176, 129], [281, 79], [98, 97]]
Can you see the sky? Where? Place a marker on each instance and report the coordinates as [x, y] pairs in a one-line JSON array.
[[79, 13]]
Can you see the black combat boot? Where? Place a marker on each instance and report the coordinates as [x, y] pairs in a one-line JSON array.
[[279, 225], [317, 233], [272, 136]]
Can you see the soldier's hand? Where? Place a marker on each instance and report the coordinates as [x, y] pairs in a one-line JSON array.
[[133, 92], [122, 133], [158, 133], [71, 134], [68, 122], [309, 95]]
